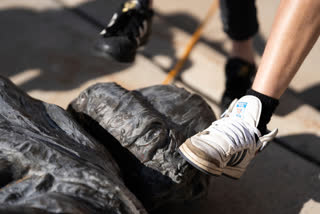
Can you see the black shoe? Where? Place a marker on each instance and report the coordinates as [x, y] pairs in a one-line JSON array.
[[239, 76], [128, 29]]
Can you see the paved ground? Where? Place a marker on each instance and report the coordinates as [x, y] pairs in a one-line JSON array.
[[45, 49]]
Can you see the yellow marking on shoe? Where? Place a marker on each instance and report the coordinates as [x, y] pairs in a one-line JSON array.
[[129, 5]]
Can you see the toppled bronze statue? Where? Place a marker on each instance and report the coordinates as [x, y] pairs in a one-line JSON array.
[[49, 164], [148, 126]]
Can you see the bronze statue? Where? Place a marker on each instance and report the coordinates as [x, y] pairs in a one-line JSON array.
[[121, 151]]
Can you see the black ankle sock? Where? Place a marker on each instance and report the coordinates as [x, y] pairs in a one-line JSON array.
[[269, 105]]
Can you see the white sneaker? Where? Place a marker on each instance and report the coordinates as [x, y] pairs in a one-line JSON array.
[[229, 144]]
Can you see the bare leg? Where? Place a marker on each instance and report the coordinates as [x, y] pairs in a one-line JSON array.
[[294, 32]]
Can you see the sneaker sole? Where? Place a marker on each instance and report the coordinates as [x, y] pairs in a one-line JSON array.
[[199, 163], [233, 172], [208, 167]]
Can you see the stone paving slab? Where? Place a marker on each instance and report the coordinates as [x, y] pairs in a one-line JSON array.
[[50, 60], [34, 5]]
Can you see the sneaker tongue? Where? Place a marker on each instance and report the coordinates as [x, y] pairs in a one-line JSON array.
[[249, 109]]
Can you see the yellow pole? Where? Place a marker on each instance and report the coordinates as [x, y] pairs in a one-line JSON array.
[[195, 37]]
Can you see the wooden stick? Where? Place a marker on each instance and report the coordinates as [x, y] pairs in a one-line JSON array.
[[195, 37]]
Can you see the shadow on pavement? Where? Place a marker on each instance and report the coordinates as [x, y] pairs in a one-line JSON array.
[[55, 43], [305, 145], [311, 96]]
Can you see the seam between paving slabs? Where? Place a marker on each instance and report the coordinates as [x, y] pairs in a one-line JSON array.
[[291, 149]]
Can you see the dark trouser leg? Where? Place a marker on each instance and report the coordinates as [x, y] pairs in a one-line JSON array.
[[239, 18]]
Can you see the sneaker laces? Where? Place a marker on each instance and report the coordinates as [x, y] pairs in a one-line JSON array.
[[264, 140], [239, 134]]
